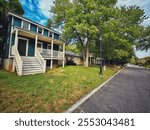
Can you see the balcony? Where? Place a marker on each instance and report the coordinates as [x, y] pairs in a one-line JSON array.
[[49, 54]]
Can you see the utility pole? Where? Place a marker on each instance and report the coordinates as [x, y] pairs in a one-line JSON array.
[[100, 49]]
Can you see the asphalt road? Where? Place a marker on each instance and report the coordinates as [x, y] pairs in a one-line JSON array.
[[127, 92]]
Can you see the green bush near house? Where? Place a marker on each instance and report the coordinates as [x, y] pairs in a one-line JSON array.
[[54, 91]]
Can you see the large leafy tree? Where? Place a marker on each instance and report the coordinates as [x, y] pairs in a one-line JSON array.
[[82, 19], [93, 21], [121, 31], [5, 6]]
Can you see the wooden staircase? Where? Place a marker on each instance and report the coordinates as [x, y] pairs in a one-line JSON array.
[[31, 65]]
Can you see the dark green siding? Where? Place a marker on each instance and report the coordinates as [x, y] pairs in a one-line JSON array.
[[46, 32], [33, 28], [31, 47], [17, 22]]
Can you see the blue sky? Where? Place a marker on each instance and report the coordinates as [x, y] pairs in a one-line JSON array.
[[38, 11]]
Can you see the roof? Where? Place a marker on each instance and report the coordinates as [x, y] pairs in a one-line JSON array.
[[26, 19], [69, 53]]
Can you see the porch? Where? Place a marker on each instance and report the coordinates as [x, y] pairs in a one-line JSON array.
[[29, 44]]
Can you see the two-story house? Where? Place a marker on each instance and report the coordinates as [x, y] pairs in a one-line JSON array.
[[30, 47]]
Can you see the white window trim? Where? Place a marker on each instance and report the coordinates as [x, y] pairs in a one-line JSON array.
[[38, 30], [27, 44], [41, 45], [23, 24]]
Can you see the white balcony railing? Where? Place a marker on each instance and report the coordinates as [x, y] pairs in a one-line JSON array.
[[52, 54]]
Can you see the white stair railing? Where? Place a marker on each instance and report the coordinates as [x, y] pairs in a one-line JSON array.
[[41, 60], [18, 61]]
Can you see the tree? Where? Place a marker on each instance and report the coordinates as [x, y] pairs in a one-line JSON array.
[[80, 18], [49, 23], [5, 6], [144, 42], [88, 21]]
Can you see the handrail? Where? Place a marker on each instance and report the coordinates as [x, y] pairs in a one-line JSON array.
[[56, 54], [40, 59], [18, 59]]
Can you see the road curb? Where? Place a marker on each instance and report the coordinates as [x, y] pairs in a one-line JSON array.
[[82, 100]]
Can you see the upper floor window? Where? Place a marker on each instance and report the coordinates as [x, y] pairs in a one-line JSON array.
[[33, 28], [25, 25], [17, 22], [50, 34], [46, 32], [39, 30], [56, 36]]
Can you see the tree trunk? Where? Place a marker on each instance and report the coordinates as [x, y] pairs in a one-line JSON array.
[[86, 60]]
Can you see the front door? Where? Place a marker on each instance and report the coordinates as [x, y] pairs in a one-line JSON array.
[[22, 47]]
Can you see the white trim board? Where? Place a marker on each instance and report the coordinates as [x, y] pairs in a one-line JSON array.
[[33, 22]]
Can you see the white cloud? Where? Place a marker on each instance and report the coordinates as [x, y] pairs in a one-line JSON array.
[[43, 22], [141, 54], [45, 5], [141, 3], [146, 22]]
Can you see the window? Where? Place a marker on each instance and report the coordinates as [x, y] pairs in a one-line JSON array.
[[33, 28], [50, 34], [46, 32], [56, 36], [17, 22], [25, 25], [39, 30]]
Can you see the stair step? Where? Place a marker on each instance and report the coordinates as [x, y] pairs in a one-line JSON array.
[[30, 65], [28, 73]]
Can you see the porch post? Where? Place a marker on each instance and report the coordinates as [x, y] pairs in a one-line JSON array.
[[36, 40], [52, 54], [16, 38], [63, 55], [16, 44]]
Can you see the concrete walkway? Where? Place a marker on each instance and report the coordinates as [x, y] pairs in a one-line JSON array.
[[127, 92]]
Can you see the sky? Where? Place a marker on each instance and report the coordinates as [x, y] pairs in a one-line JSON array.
[[38, 11]]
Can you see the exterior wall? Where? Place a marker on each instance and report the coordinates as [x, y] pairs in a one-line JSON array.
[[77, 60], [8, 64]]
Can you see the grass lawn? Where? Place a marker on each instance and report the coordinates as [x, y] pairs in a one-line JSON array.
[[54, 91]]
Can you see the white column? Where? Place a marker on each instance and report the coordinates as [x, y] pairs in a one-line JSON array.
[[16, 44], [52, 54], [36, 40], [16, 37], [63, 55]]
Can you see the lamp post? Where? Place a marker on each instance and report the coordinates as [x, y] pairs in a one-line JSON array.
[[100, 51]]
